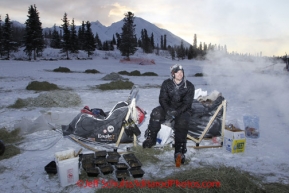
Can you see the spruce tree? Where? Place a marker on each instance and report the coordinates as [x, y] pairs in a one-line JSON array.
[[106, 46], [49, 35], [201, 46], [113, 40], [195, 52], [1, 39], [18, 33], [66, 44], [7, 37], [73, 38], [152, 41], [89, 45], [142, 38], [165, 42], [98, 42], [34, 41], [146, 43], [139, 43], [162, 43], [195, 41], [158, 50], [190, 52], [128, 45], [135, 41], [111, 46], [181, 51], [173, 53], [81, 36], [55, 40], [186, 51], [118, 40], [205, 47]]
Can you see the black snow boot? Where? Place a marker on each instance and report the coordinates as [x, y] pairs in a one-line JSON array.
[[151, 139], [180, 150]]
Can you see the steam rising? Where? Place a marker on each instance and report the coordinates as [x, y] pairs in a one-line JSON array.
[[260, 87]]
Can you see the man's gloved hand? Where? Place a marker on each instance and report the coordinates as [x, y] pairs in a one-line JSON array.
[[171, 114]]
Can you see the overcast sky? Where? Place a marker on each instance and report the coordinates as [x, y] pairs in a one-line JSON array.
[[244, 26]]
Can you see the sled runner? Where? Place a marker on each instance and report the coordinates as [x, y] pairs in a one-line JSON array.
[[119, 125]]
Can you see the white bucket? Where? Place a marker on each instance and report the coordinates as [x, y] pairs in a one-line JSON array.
[[67, 167]]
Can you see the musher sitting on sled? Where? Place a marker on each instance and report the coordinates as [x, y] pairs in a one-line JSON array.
[[176, 97]]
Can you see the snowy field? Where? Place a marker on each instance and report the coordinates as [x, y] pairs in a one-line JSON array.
[[250, 88]]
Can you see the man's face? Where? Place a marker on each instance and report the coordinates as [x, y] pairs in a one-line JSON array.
[[179, 75]]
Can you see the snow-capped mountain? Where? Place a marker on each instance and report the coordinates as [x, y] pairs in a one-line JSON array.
[[106, 33], [141, 24], [15, 24]]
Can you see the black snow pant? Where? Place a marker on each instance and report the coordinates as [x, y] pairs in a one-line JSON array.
[[181, 125]]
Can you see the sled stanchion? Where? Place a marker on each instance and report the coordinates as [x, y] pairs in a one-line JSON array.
[[119, 137], [134, 140]]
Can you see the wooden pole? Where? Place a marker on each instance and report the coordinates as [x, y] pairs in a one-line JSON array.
[[83, 144]]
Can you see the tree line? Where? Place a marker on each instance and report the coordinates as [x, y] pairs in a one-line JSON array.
[[71, 40]]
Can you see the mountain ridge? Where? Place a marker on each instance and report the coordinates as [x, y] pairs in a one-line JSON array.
[[106, 33]]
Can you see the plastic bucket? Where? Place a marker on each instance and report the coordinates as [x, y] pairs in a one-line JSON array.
[[67, 167]]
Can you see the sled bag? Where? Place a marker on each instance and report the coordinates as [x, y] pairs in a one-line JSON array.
[[105, 130]]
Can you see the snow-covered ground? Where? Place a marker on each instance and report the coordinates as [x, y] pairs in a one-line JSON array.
[[250, 88]]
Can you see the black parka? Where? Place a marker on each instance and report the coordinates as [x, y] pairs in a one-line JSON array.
[[177, 97]]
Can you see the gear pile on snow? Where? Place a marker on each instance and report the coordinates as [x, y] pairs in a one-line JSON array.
[[203, 110]]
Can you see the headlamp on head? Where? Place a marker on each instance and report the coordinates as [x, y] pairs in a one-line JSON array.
[[175, 68]]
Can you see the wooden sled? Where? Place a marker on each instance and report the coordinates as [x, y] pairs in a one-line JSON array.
[[198, 140]]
